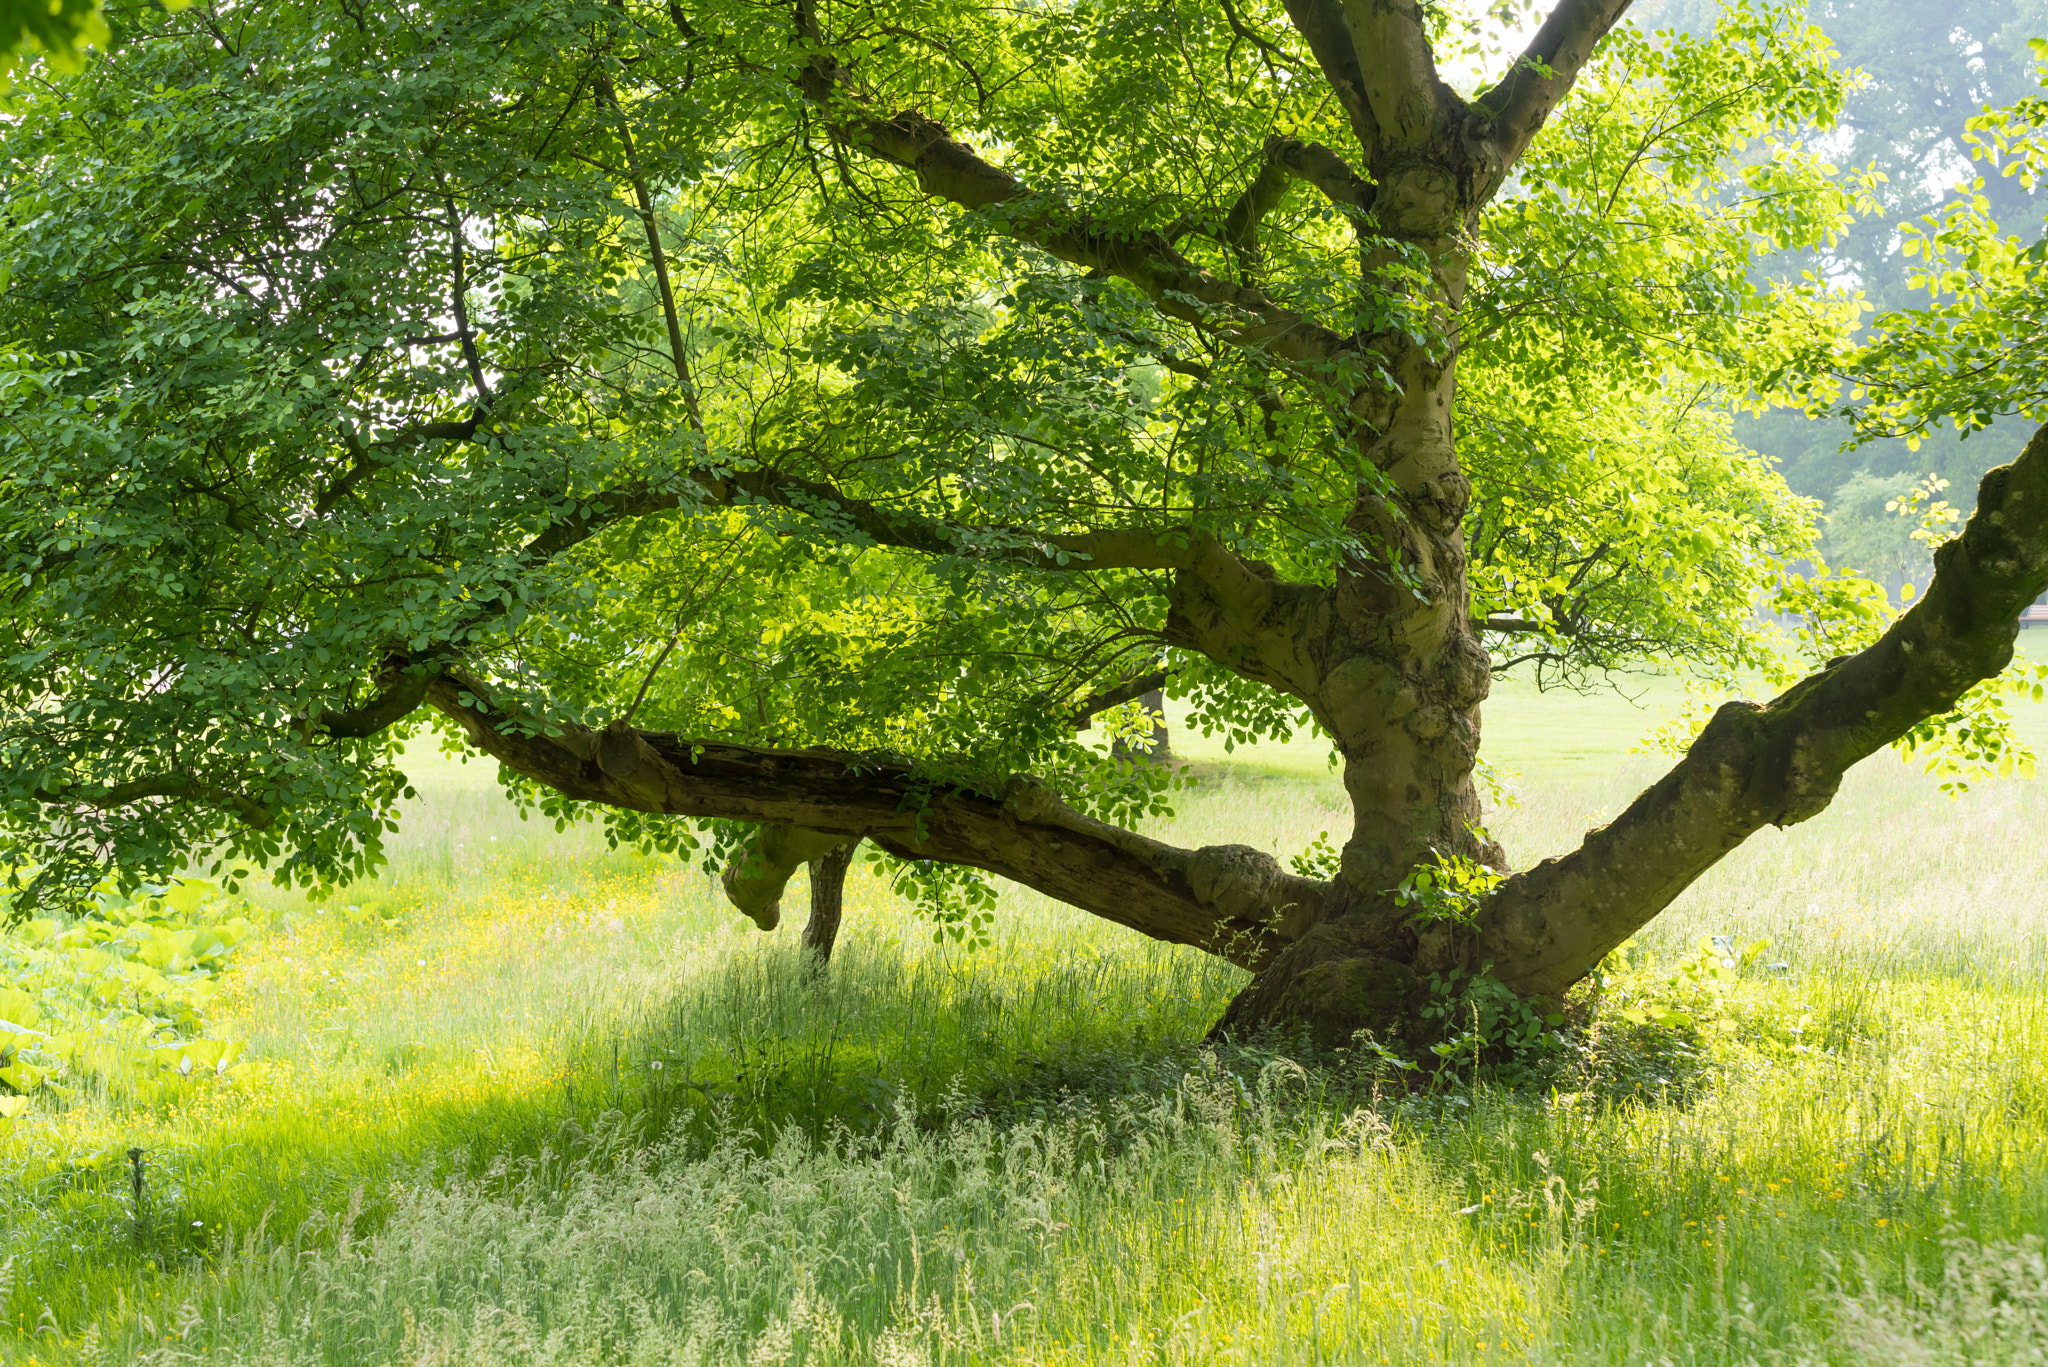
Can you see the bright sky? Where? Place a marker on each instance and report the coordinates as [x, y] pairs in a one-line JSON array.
[[1504, 29]]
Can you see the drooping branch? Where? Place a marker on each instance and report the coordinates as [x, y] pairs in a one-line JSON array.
[[828, 894], [402, 690], [1780, 762], [1274, 55], [657, 256], [1229, 899], [1229, 609], [403, 677], [1542, 75]]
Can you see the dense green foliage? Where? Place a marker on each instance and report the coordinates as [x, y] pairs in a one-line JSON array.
[[59, 29], [445, 336]]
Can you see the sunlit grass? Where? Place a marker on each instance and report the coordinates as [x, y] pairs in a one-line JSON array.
[[527, 1100]]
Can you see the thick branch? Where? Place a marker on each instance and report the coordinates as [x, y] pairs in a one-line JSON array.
[[1219, 597], [1781, 762], [1261, 197], [1288, 159], [760, 869], [402, 691], [1321, 25], [1317, 165], [1545, 71], [1233, 611], [1231, 900], [1408, 101]]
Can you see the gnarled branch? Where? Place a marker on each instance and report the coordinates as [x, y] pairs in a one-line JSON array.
[[1315, 164], [1780, 762], [948, 169], [1228, 899]]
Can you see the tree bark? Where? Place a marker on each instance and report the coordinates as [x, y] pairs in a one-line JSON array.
[[1776, 763], [1779, 763], [1230, 900]]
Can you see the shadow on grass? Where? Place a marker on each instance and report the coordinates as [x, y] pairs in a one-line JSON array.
[[757, 1042]]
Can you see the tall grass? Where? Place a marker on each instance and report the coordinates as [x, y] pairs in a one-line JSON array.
[[530, 1101]]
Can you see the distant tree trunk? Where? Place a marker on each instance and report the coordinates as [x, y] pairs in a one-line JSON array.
[[828, 889], [1159, 749]]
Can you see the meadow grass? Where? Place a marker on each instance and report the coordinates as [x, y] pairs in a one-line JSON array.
[[528, 1100]]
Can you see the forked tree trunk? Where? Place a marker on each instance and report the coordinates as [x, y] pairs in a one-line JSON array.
[[1776, 763], [1402, 699]]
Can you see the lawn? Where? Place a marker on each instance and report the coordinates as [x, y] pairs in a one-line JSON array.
[[526, 1100]]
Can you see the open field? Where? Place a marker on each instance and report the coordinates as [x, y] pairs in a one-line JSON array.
[[529, 1101]]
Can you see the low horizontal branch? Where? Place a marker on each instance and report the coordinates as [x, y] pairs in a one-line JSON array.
[[1230, 900]]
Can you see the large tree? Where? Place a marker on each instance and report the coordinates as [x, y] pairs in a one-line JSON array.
[[800, 416]]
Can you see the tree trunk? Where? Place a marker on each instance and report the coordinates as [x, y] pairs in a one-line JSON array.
[[828, 889], [1402, 701]]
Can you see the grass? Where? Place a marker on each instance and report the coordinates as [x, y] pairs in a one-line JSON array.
[[527, 1100]]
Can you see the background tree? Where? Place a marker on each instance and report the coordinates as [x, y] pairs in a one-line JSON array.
[[790, 417], [1925, 70], [1866, 535]]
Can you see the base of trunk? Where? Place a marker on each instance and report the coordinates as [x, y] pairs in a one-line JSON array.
[[1346, 975]]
